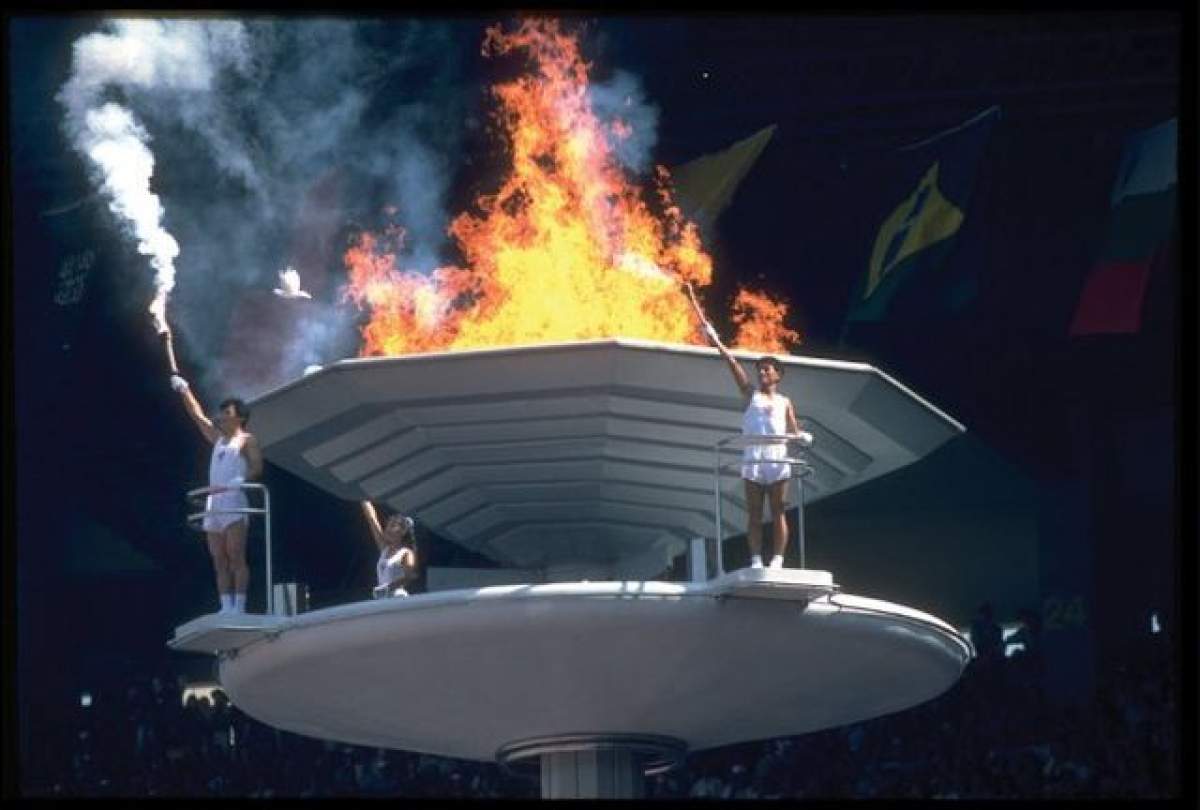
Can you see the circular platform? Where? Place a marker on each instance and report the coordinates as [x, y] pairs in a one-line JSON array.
[[466, 673]]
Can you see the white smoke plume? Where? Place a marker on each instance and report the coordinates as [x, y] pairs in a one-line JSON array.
[[622, 99], [218, 135], [138, 53]]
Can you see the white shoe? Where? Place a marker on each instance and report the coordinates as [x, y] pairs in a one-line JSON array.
[[777, 561], [756, 561]]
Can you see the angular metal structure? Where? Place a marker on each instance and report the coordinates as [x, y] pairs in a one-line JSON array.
[[584, 459]]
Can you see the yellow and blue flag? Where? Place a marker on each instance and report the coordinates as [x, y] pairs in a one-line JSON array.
[[925, 192]]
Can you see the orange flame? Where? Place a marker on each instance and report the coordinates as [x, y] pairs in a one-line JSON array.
[[759, 322], [566, 249]]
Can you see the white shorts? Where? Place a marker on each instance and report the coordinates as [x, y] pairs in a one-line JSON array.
[[233, 499], [766, 473], [761, 465]]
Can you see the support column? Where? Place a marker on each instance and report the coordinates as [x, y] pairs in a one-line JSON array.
[[698, 560], [593, 766], [602, 774]]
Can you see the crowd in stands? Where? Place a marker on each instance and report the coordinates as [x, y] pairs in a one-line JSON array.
[[151, 742], [995, 734]]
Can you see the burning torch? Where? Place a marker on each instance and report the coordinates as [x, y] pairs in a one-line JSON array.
[[170, 347], [164, 334], [708, 327]]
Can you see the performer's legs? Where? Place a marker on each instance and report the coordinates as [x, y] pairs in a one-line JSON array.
[[216, 550], [777, 494], [754, 510], [235, 550]]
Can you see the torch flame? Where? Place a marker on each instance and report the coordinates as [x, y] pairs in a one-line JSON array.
[[565, 249]]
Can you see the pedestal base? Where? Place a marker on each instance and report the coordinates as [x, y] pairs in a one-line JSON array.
[[593, 766]]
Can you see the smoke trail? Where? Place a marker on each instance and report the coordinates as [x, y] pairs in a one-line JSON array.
[[621, 104], [116, 144], [132, 53], [270, 136]]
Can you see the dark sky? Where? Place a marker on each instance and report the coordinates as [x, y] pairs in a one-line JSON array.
[[102, 442]]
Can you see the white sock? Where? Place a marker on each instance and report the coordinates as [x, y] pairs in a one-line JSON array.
[[239, 603], [756, 561], [226, 602], [777, 561]]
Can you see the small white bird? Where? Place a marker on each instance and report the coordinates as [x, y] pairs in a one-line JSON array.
[[289, 285]]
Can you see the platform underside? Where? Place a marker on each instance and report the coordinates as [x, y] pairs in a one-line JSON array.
[[463, 673], [591, 460]]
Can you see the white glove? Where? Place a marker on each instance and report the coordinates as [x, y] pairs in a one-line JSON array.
[[178, 383], [805, 438]]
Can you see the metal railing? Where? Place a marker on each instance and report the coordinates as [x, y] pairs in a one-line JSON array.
[[798, 463], [196, 521]]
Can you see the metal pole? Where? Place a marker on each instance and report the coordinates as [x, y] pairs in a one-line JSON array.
[[267, 528], [717, 494], [800, 517]]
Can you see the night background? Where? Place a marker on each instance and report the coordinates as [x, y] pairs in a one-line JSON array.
[[1094, 423]]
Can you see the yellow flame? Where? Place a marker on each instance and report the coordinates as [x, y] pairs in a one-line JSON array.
[[566, 249]]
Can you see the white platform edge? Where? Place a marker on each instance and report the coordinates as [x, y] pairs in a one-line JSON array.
[[218, 633], [794, 584]]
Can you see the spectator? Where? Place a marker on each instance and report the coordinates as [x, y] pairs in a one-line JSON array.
[[986, 636]]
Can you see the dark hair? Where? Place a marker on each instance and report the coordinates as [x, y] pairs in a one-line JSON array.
[[239, 407], [768, 360], [410, 527]]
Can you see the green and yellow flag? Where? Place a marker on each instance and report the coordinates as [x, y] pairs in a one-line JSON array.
[[923, 208]]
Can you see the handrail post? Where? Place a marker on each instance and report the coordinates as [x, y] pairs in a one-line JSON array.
[[267, 530], [800, 518], [720, 521]]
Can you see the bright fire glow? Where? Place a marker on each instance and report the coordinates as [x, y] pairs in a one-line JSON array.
[[566, 249]]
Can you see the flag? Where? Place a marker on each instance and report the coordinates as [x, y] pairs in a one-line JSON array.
[[920, 211], [704, 187], [1141, 223]]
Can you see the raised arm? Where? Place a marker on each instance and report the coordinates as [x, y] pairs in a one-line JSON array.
[[190, 403], [735, 368], [368, 510]]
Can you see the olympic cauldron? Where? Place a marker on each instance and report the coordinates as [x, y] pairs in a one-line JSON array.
[[592, 457], [588, 466]]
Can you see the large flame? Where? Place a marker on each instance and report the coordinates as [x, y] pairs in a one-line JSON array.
[[566, 249]]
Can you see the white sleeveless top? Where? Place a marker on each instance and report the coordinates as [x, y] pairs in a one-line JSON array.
[[227, 464], [388, 569], [765, 415]]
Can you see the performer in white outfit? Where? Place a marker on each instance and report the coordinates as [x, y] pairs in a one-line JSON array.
[[236, 458], [227, 467], [395, 540], [768, 413]]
